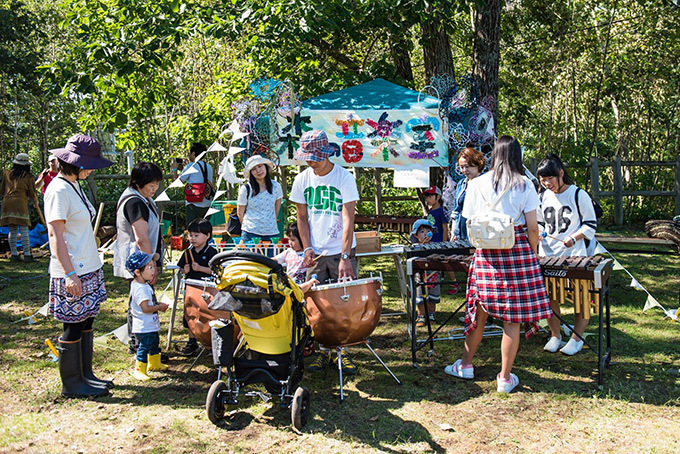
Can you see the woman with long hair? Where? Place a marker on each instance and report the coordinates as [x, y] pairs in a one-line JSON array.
[[259, 200], [17, 187], [504, 283]]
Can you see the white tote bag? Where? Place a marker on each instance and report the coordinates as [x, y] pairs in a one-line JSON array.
[[492, 230]]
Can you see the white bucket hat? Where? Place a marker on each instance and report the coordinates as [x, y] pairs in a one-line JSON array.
[[254, 161], [21, 159]]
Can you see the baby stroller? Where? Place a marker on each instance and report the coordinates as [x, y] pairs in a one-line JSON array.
[[267, 306]]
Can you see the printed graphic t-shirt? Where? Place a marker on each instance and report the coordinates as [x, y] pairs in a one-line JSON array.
[[141, 321], [324, 197], [558, 216]]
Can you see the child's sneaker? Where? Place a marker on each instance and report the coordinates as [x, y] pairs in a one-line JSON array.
[[308, 350], [420, 321], [320, 361], [455, 287], [457, 370], [505, 386], [432, 318], [348, 366]]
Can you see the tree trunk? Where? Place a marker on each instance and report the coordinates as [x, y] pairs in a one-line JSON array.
[[400, 56], [436, 48], [486, 52]]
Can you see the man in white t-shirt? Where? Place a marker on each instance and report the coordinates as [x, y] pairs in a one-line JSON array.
[[198, 172], [325, 195]]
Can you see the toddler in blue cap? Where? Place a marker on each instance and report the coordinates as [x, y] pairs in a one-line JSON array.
[[422, 233], [144, 309]]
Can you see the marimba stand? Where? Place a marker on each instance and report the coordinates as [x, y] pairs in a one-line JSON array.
[[597, 270], [443, 263], [599, 276]]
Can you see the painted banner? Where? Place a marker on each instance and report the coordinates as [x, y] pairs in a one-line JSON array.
[[398, 139]]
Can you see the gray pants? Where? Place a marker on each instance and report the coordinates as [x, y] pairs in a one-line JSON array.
[[327, 267], [14, 231], [432, 294]]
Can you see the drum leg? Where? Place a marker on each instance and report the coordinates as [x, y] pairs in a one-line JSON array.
[[381, 362], [200, 352], [340, 351]]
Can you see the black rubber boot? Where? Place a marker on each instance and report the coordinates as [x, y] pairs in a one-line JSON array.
[[87, 347], [71, 371]]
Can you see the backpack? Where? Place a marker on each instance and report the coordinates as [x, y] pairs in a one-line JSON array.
[[233, 222], [491, 229], [196, 192], [590, 245]]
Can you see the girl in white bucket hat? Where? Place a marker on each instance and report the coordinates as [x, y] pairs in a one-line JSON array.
[[259, 200]]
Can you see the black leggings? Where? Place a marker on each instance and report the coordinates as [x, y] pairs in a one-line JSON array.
[[74, 331]]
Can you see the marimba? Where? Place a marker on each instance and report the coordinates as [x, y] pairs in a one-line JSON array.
[[582, 281]]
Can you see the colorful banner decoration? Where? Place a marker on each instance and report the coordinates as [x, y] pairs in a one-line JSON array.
[[396, 139]]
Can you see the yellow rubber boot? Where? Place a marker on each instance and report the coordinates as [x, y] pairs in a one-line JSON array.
[[155, 363], [140, 371]]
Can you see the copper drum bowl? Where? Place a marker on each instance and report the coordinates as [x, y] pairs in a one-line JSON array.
[[344, 313], [196, 308]]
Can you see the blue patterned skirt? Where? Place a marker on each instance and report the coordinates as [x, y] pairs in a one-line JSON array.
[[74, 309]]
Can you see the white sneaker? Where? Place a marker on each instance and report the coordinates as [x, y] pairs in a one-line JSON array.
[[553, 344], [503, 386], [457, 370], [572, 347]]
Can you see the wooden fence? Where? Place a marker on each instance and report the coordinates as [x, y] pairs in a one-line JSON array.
[[618, 192], [593, 168]]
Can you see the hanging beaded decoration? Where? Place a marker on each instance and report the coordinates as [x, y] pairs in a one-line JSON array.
[[442, 83], [481, 128], [460, 101], [264, 87]]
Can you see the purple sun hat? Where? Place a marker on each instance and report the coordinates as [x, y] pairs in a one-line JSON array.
[[82, 151], [314, 147]]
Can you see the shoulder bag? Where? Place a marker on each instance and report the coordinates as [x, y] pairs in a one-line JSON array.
[[492, 230]]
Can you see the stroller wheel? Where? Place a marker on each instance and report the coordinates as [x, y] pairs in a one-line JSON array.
[[299, 409], [214, 403]]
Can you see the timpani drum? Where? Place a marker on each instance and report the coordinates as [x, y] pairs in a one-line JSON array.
[[344, 313], [197, 296]]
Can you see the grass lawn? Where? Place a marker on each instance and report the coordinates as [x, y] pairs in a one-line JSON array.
[[557, 407]]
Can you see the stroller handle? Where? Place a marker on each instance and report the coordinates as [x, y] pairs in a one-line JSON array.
[[227, 256]]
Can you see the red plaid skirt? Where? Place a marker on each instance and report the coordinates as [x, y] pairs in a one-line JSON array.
[[509, 285]]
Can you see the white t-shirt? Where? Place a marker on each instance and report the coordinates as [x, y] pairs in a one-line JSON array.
[[141, 321], [62, 203], [260, 216], [517, 201], [197, 177], [558, 216], [324, 197]]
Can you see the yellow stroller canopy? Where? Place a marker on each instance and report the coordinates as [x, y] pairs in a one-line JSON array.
[[260, 296]]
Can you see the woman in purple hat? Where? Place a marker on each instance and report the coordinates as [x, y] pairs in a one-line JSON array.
[[76, 278]]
